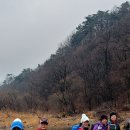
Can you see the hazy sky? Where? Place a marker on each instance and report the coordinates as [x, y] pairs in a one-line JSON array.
[[31, 30]]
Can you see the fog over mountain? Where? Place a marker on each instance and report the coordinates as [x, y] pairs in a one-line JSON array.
[[31, 30]]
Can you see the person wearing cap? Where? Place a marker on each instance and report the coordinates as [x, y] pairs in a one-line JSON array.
[[113, 124], [84, 125], [43, 124], [102, 124], [17, 125]]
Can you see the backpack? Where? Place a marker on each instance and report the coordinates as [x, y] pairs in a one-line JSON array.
[[75, 127], [113, 126]]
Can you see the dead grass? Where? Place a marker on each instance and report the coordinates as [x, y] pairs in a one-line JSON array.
[[31, 119]]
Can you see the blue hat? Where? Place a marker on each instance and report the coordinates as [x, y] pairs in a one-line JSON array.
[[17, 123]]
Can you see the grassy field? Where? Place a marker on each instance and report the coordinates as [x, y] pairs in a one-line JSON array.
[[55, 120], [31, 120]]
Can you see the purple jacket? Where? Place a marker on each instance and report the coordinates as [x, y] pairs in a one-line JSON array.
[[100, 126]]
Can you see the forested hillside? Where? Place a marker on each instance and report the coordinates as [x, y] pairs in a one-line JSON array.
[[90, 69]]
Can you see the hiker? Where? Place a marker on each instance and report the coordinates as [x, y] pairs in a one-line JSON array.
[[84, 125], [102, 124], [113, 125], [17, 125], [43, 124], [127, 125]]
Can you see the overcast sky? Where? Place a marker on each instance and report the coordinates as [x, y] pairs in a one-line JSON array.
[[32, 30]]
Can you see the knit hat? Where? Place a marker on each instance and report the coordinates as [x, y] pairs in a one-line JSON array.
[[84, 118], [103, 117], [17, 123]]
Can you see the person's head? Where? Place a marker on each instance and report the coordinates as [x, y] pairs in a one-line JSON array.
[[17, 125], [113, 116], [43, 123], [104, 119], [84, 121]]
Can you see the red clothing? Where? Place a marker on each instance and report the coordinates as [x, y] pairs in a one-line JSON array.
[[38, 129], [81, 128]]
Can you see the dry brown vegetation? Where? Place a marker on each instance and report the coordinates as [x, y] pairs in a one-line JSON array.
[[55, 120]]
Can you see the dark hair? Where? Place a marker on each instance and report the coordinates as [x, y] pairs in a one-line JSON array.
[[46, 123], [80, 124], [16, 128], [113, 113], [103, 117]]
